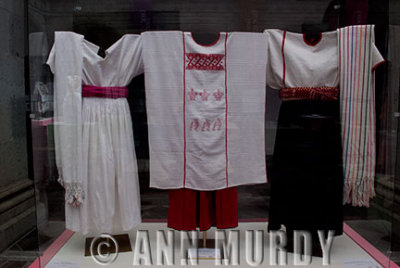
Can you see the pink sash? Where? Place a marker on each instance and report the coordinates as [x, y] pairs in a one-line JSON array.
[[89, 91]]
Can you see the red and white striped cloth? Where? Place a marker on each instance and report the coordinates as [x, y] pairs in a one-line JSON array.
[[358, 58]]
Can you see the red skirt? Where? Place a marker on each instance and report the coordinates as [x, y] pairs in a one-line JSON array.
[[189, 209]]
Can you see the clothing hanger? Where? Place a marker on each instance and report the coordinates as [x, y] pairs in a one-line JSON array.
[[101, 35], [205, 38], [312, 33]]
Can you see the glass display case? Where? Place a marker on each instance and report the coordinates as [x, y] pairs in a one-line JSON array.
[[32, 208]]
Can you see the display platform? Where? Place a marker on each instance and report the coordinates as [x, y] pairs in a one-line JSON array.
[[348, 250]]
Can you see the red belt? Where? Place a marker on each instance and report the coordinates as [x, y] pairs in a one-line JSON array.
[[89, 91], [309, 93]]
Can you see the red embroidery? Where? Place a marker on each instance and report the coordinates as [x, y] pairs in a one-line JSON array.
[[192, 94], [194, 125], [217, 125], [309, 93], [205, 62], [218, 95], [204, 95], [206, 125]]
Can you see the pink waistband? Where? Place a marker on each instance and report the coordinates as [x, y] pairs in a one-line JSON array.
[[104, 92]]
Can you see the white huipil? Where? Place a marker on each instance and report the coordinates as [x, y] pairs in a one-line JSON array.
[[93, 136], [205, 110]]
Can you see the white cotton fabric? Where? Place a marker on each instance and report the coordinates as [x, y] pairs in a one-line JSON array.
[[305, 65], [65, 61], [105, 153], [205, 144]]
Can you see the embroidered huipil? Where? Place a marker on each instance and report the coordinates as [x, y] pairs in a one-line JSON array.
[[205, 108], [93, 132]]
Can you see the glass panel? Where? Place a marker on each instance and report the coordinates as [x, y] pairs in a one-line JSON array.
[[375, 222], [18, 234], [393, 85], [27, 157]]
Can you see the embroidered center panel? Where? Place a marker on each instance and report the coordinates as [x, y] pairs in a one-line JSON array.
[[205, 62]]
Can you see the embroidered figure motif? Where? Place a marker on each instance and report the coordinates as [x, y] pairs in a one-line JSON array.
[[218, 95], [192, 94], [217, 125], [206, 125], [194, 125], [204, 95], [205, 62]]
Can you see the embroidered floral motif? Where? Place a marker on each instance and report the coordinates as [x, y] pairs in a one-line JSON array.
[[206, 125], [205, 62], [218, 95], [192, 94], [204, 95]]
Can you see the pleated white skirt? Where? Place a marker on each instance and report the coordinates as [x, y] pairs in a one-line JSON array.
[[112, 202]]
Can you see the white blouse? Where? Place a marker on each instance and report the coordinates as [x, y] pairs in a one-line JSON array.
[[294, 62]]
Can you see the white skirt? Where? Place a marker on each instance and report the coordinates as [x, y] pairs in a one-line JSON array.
[[112, 201]]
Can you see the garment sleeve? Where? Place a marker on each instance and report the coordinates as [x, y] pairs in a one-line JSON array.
[[51, 59], [128, 56], [377, 58], [65, 61], [275, 66]]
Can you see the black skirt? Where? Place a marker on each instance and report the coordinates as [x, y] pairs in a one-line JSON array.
[[306, 178]]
